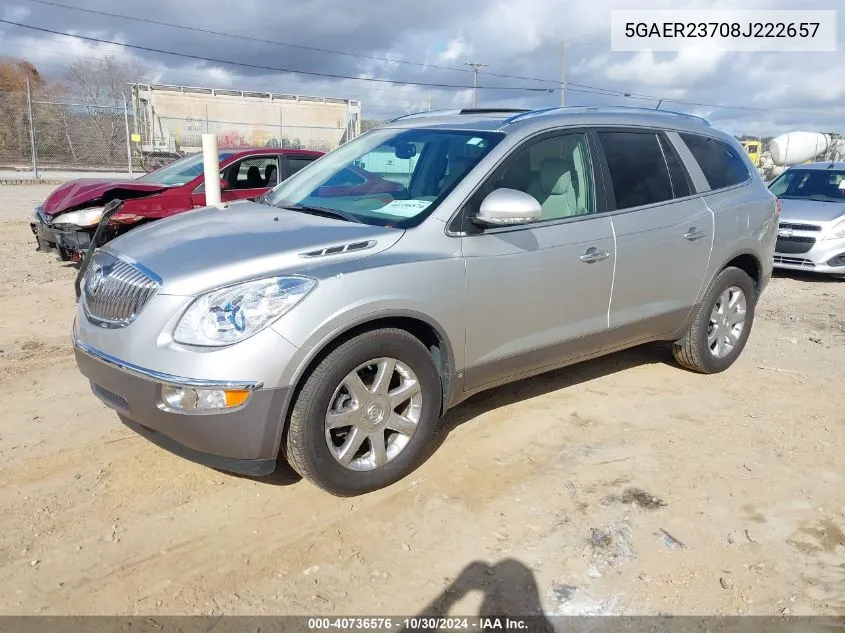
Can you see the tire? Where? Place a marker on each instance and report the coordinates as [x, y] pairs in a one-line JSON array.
[[306, 444], [693, 351]]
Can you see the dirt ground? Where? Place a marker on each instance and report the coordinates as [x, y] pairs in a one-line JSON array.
[[620, 486]]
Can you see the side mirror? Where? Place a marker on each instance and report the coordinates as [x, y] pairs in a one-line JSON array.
[[224, 184], [505, 207]]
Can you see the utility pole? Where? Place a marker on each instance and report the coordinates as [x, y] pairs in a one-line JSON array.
[[562, 75], [475, 66]]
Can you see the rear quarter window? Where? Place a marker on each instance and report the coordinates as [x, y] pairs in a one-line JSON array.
[[723, 166]]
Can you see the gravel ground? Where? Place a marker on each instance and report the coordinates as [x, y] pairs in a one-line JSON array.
[[623, 485]]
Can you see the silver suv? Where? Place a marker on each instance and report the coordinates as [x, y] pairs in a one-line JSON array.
[[333, 322]]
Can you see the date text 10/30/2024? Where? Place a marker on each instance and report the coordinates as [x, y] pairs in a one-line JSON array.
[[420, 624]]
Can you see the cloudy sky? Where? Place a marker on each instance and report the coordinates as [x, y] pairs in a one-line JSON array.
[[429, 42]]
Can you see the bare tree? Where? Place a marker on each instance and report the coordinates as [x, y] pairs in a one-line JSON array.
[[98, 87]]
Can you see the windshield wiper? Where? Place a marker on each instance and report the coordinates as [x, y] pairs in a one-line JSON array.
[[323, 211]]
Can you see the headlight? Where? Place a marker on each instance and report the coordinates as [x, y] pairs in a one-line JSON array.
[[836, 232], [82, 218], [232, 314]]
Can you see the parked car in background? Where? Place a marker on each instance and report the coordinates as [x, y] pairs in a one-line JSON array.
[[332, 330], [811, 233], [65, 222]]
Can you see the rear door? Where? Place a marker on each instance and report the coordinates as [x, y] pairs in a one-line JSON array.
[[664, 234]]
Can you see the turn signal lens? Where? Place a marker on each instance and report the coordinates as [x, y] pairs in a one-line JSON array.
[[191, 399], [236, 398]]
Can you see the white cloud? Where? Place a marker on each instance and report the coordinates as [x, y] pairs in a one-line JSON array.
[[682, 69], [455, 51]]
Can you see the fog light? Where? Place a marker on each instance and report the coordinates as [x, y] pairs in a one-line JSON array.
[[191, 399], [839, 260]]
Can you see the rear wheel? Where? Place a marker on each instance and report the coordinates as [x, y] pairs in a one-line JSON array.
[[365, 413], [721, 326]]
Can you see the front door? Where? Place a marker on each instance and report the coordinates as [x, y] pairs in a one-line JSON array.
[[664, 235], [538, 294], [248, 177]]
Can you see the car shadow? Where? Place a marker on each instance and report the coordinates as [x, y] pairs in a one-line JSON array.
[[803, 276], [512, 393], [542, 384], [509, 590]]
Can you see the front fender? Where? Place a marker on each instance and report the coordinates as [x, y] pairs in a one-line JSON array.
[[435, 298]]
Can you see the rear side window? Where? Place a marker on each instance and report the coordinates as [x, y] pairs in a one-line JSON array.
[[294, 164], [722, 165], [680, 179], [637, 168]]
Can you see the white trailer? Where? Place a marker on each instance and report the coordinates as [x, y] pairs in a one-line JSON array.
[[169, 121]]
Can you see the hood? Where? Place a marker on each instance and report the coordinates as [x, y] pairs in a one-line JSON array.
[[90, 191], [810, 210], [207, 248]]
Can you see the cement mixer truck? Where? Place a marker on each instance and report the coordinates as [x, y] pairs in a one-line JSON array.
[[794, 148]]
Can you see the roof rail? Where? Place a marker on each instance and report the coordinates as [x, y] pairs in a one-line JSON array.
[[670, 112], [424, 114], [420, 115], [532, 113], [494, 110], [525, 113]]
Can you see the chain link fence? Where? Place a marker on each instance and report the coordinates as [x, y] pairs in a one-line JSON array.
[[42, 135]]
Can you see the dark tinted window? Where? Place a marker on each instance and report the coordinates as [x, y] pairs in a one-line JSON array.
[[637, 168], [680, 179], [295, 164], [723, 166]]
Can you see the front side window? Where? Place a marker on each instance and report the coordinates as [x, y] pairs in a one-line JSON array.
[[253, 173], [824, 185], [555, 171], [722, 164], [179, 171], [358, 180], [637, 167]]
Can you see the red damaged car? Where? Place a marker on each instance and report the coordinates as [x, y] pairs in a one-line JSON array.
[[66, 221]]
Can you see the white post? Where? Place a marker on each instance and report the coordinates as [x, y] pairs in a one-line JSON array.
[[128, 135], [211, 165]]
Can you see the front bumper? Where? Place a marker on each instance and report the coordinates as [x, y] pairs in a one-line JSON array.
[[243, 440], [68, 244], [826, 256]]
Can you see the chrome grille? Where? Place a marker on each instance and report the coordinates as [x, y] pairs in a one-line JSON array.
[[114, 292]]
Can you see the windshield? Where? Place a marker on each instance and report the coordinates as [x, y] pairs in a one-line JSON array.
[[826, 185], [179, 171], [388, 177]]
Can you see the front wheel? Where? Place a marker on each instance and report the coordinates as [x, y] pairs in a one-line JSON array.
[[721, 326], [365, 414]]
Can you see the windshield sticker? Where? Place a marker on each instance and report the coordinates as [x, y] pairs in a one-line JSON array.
[[474, 141], [405, 208]]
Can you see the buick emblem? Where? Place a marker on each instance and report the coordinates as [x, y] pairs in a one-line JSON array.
[[96, 280], [786, 232]]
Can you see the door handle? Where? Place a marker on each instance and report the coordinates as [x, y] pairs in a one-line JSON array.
[[693, 234], [594, 255]]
